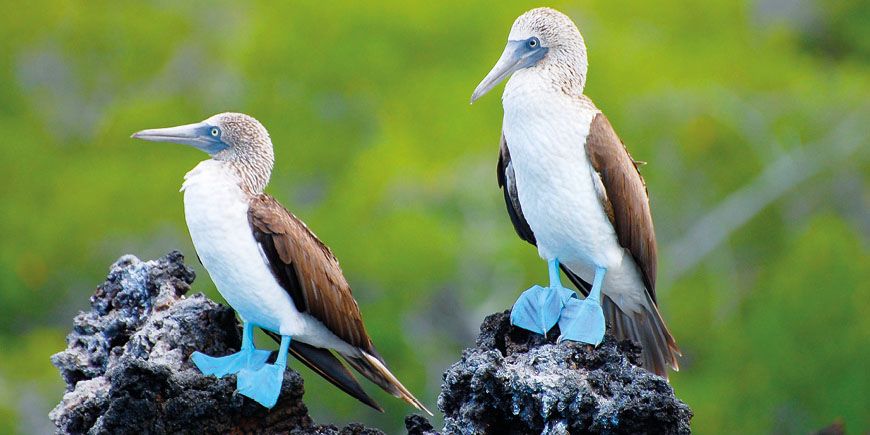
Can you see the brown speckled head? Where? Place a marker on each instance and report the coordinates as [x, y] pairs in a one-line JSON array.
[[546, 41], [557, 33], [243, 134], [235, 138], [249, 147], [566, 56]]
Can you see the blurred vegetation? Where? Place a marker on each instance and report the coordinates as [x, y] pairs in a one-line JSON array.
[[753, 117]]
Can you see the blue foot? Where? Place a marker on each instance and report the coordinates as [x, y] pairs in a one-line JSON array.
[[583, 321], [538, 308], [246, 358], [250, 359], [263, 385]]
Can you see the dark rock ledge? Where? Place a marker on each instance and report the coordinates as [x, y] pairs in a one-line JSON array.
[[127, 372], [518, 382]]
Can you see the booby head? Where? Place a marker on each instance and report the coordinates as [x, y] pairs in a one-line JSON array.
[[232, 137], [544, 40]]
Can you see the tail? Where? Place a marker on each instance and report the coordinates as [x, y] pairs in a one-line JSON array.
[[373, 368], [648, 329], [325, 364]]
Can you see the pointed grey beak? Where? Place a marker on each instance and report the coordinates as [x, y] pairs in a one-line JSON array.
[[200, 136], [516, 56]]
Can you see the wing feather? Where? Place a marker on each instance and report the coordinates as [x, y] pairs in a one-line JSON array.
[[307, 270], [626, 200]]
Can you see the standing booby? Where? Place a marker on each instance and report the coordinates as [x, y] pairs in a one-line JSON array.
[[270, 267], [573, 190]]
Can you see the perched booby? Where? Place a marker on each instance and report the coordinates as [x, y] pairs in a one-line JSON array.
[[269, 267], [573, 190]]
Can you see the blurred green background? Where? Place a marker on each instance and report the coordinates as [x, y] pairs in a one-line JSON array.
[[753, 116]]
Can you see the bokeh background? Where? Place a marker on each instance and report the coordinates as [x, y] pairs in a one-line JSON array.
[[753, 115]]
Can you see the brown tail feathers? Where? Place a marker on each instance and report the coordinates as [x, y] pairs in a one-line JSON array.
[[373, 369], [647, 329]]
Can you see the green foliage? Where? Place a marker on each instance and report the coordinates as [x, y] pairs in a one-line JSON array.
[[790, 358], [27, 375], [379, 152]]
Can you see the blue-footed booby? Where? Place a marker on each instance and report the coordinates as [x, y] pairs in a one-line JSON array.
[[573, 190], [269, 267]]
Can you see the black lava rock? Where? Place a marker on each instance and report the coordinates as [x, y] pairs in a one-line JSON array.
[[127, 366], [416, 424], [517, 382], [128, 371]]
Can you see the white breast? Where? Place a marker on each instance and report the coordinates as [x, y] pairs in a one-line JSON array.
[[216, 210], [546, 134], [546, 131]]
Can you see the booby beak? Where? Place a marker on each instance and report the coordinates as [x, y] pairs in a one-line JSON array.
[[516, 56], [201, 136]]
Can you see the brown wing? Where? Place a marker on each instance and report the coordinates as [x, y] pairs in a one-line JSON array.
[[626, 201], [308, 270]]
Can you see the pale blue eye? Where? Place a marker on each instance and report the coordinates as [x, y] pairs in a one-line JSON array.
[[533, 42], [215, 132]]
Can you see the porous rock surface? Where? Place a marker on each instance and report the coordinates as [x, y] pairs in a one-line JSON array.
[[517, 382], [127, 366], [128, 371]]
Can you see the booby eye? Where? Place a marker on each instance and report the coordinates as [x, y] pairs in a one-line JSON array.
[[215, 132], [533, 42]]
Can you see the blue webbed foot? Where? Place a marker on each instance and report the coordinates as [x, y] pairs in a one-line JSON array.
[[582, 321], [538, 308], [262, 385], [250, 359], [246, 358]]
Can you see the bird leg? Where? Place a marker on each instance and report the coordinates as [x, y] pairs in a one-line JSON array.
[[264, 383], [539, 308], [583, 321], [247, 357]]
